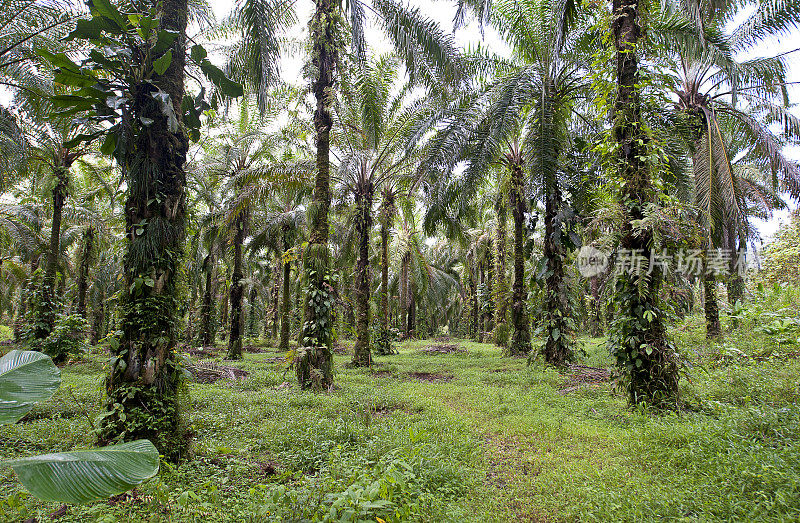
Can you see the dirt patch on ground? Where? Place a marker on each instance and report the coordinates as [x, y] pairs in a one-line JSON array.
[[201, 352], [582, 377], [341, 348], [443, 348], [129, 498], [208, 372], [430, 377]]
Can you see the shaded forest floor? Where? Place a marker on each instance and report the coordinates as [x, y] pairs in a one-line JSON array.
[[454, 435]]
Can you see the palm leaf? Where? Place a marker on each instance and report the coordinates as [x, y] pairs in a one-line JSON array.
[[82, 476], [26, 378]]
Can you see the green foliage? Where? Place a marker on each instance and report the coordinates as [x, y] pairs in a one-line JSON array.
[[6, 333], [68, 338], [400, 486], [781, 256], [128, 50], [134, 409], [383, 340], [647, 361], [28, 377], [82, 476]]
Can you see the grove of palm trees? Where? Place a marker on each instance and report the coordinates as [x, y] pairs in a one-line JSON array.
[[372, 260]]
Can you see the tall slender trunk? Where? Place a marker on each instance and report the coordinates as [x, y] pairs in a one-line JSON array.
[[404, 263], [252, 328], [225, 309], [144, 384], [98, 319], [481, 303], [596, 320], [385, 276], [285, 318], [315, 360], [501, 282], [83, 272], [735, 283], [412, 311], [191, 324], [362, 356], [490, 312], [207, 333], [521, 335], [48, 305], [237, 290], [710, 301], [558, 313], [23, 300], [473, 290], [387, 210], [639, 322]]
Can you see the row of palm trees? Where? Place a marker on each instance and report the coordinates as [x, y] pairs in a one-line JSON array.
[[572, 106]]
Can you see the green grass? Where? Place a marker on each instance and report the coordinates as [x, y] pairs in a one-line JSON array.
[[497, 442]]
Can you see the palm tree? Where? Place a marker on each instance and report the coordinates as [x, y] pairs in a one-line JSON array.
[[430, 57], [283, 227], [637, 338], [715, 90], [524, 122], [143, 387], [25, 28], [375, 155], [91, 216], [53, 153]]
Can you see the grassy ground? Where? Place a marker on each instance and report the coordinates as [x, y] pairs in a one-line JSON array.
[[469, 436]]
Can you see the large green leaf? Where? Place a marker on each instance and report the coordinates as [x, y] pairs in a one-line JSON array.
[[161, 64], [26, 377], [83, 476]]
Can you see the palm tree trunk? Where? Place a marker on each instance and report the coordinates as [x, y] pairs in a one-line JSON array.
[[481, 313], [473, 290], [362, 356], [285, 319], [237, 292], [24, 292], [521, 335], [596, 321], [639, 322], [490, 313], [315, 361], [83, 274], [735, 282], [387, 209], [224, 310], [47, 307], [404, 267], [501, 285], [710, 302], [191, 325], [98, 320], [557, 349], [145, 381], [207, 333], [412, 311]]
